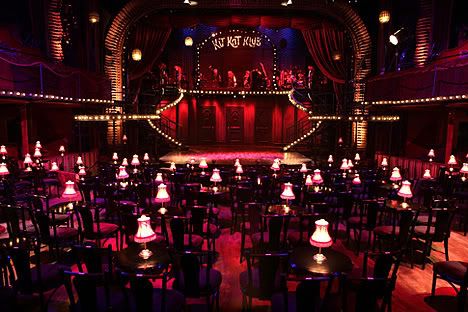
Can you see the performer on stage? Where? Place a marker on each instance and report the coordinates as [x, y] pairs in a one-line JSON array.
[[178, 75], [215, 77], [310, 76], [231, 80], [247, 80]]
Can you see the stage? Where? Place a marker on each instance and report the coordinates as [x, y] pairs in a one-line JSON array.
[[226, 155]]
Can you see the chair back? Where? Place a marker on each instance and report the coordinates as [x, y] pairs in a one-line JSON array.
[[178, 226], [188, 265], [386, 265], [308, 293], [86, 216], [368, 294], [407, 219], [198, 217], [96, 260]]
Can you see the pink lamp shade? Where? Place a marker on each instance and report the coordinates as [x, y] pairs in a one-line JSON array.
[[144, 233], [115, 157], [427, 174], [308, 180], [356, 180], [344, 164], [69, 189], [38, 145], [27, 159], [317, 178], [62, 149], [431, 153], [350, 164], [464, 169], [146, 157], [239, 169], [303, 168], [37, 153], [452, 160], [54, 167], [79, 161], [396, 176], [384, 162], [405, 190], [173, 166], [159, 178], [330, 159], [125, 162], [135, 160], [340, 140], [237, 163], [320, 238], [82, 171], [122, 173], [357, 157], [3, 150], [288, 193], [162, 196], [216, 177], [124, 138], [4, 170], [275, 166], [203, 164]]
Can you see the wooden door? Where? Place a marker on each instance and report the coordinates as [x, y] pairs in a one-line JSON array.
[[206, 125], [235, 125], [263, 125]]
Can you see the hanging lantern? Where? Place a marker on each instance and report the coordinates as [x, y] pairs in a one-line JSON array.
[[188, 41], [136, 55], [93, 17], [384, 17]]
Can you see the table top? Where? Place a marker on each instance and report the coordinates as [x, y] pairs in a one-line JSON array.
[[64, 207], [281, 210], [302, 262], [129, 259]]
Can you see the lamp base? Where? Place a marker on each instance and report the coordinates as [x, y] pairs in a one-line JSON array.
[[319, 258], [145, 254]]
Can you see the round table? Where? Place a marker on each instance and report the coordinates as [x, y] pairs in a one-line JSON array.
[[302, 262], [129, 260]]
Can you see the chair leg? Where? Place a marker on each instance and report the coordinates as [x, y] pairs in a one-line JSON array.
[[446, 249], [434, 280]]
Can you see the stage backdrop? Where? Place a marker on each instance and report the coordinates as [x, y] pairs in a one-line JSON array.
[[226, 120]]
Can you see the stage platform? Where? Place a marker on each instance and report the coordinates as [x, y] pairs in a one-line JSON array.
[[226, 155]]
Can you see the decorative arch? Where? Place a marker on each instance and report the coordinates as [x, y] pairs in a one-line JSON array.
[[340, 11]]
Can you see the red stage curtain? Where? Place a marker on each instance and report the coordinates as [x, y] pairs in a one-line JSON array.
[[322, 43], [151, 41]]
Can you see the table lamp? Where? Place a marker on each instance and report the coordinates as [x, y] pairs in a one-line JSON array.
[[464, 171], [69, 189], [115, 158], [4, 170], [135, 161], [173, 166], [146, 158], [82, 172], [125, 162], [330, 160], [145, 234], [350, 165], [303, 168], [162, 196], [37, 153], [344, 166], [288, 193], [239, 171], [54, 167], [357, 158], [203, 165], [159, 178], [38, 145], [237, 163], [452, 162], [308, 180], [384, 163], [405, 192], [356, 180], [27, 162], [275, 167], [321, 239], [122, 175], [215, 177], [427, 174], [431, 155], [3, 150], [62, 150], [396, 176]]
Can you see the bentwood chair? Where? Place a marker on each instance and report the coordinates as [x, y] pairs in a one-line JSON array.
[[142, 296], [455, 273], [94, 259], [365, 221], [8, 291]]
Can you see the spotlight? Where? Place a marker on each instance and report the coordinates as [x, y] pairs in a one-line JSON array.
[[286, 3], [336, 56], [393, 37], [93, 17], [136, 55], [188, 41]]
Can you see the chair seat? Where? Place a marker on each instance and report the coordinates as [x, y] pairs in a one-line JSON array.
[[453, 270], [175, 301], [422, 229], [386, 230], [64, 232], [206, 285], [357, 220], [255, 290], [197, 240], [105, 228], [51, 276]]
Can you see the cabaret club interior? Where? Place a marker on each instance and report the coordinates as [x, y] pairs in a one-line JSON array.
[[233, 155]]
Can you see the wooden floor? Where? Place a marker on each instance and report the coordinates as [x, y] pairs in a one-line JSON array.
[[411, 293], [226, 155]]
